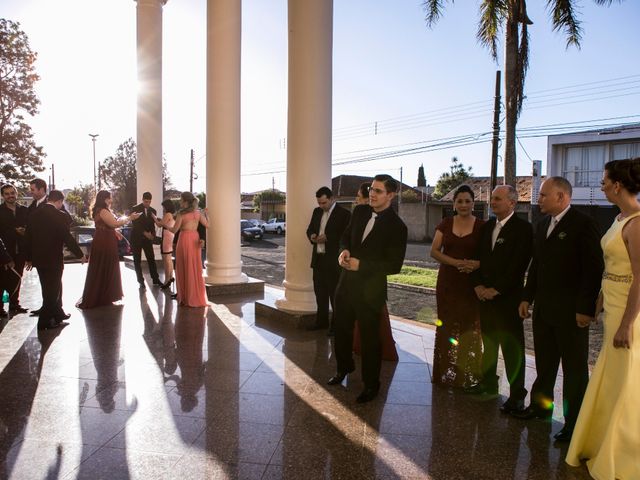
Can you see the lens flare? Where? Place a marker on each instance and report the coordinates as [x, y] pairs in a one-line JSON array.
[[453, 341], [438, 322], [546, 403]]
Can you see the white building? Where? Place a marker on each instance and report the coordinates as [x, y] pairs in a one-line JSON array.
[[580, 157]]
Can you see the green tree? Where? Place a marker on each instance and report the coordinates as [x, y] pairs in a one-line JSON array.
[[422, 180], [119, 174], [20, 157], [81, 198], [268, 197], [511, 16], [456, 175], [410, 196]]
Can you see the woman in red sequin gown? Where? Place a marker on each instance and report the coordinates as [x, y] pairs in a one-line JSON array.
[[458, 343], [103, 284]]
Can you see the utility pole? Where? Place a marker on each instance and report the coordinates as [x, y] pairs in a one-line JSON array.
[[400, 195], [94, 136], [53, 177], [191, 163], [496, 133]]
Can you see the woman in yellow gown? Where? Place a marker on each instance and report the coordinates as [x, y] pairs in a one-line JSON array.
[[607, 433]]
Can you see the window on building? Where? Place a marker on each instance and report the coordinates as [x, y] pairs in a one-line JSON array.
[[583, 165], [621, 151]]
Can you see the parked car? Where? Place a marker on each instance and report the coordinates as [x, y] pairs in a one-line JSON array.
[[275, 226], [84, 236], [249, 232], [255, 222]]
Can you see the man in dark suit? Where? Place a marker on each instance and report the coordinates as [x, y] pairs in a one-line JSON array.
[[38, 189], [47, 231], [504, 252], [13, 223], [563, 284], [328, 222], [143, 234], [372, 246]]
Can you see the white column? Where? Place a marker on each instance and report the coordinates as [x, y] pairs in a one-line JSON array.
[[149, 115], [224, 18], [308, 139]]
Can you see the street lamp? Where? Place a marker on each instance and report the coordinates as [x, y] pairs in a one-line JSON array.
[[93, 139]]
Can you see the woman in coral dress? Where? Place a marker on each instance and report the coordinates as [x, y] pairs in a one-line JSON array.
[[103, 284], [191, 291], [458, 343], [607, 433], [387, 342]]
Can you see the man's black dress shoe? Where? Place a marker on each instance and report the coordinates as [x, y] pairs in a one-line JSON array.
[[480, 389], [50, 325], [564, 435], [64, 316], [512, 406], [339, 377], [141, 285], [17, 309], [2, 312], [368, 394], [36, 312], [530, 413]]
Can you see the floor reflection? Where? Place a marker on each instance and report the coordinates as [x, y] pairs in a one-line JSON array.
[[151, 390]]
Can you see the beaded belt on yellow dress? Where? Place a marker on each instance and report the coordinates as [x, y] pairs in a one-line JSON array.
[[617, 278]]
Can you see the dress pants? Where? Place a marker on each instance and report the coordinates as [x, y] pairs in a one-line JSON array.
[[51, 285], [502, 328], [325, 278], [368, 317], [136, 249], [553, 343]]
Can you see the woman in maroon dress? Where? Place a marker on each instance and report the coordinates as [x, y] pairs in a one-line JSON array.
[[103, 285], [389, 351], [458, 343]]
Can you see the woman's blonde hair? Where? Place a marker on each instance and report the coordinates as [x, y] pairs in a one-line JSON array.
[[191, 200]]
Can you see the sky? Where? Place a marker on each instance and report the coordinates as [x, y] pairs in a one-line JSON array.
[[403, 94]]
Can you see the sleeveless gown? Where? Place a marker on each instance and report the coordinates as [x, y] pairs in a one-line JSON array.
[[607, 432], [103, 284], [458, 344], [189, 281]]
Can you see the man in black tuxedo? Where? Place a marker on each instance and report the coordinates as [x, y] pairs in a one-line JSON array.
[[13, 223], [504, 252], [143, 234], [47, 231], [38, 189], [372, 246], [328, 222], [563, 284]]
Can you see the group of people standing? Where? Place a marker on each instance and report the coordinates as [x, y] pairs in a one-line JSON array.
[[34, 236], [103, 284], [484, 292]]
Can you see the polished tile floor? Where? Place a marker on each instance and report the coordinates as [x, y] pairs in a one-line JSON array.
[[148, 390]]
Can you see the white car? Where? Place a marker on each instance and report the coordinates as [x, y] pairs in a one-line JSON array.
[[275, 226]]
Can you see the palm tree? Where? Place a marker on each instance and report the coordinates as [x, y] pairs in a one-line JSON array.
[[511, 15]]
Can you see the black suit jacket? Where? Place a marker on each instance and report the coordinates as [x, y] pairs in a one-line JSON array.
[[503, 268], [338, 221], [4, 255], [47, 232], [13, 242], [381, 254], [566, 271], [144, 223]]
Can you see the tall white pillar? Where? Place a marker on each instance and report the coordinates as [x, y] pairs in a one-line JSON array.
[[149, 115], [224, 18], [308, 139]]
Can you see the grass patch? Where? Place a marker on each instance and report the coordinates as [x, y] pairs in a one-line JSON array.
[[420, 277]]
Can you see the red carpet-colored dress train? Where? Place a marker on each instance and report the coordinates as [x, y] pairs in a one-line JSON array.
[[189, 281], [103, 284]]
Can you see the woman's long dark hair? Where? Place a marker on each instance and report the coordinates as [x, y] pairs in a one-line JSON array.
[[100, 202]]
